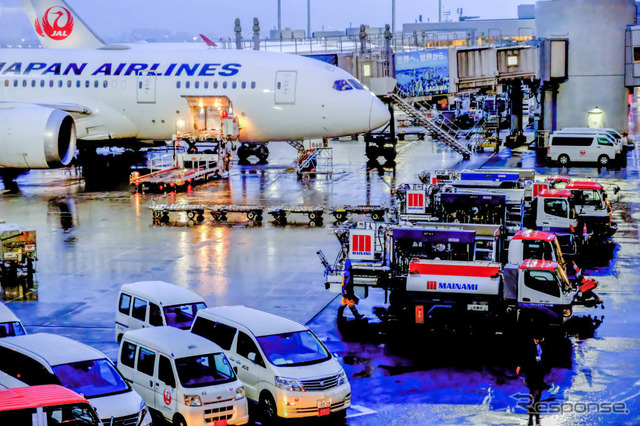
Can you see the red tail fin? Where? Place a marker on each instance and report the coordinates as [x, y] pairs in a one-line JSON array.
[[207, 40]]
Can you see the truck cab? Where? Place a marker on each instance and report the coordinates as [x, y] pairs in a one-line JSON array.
[[543, 286], [553, 210], [593, 208]]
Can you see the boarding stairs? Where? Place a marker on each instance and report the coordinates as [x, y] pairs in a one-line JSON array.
[[448, 133]]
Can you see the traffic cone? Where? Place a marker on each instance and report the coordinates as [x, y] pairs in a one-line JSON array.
[[584, 229]]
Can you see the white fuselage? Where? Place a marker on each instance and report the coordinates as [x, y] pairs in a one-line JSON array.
[[142, 93]]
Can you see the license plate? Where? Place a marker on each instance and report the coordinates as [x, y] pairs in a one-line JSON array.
[[481, 308], [324, 407], [220, 422]]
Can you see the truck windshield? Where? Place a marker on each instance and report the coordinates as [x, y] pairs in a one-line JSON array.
[[181, 316], [204, 370], [9, 329], [92, 378], [294, 349]]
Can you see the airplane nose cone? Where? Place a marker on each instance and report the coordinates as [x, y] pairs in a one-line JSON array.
[[378, 115]]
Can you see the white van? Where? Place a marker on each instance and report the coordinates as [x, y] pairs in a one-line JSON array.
[[153, 304], [42, 358], [566, 148], [10, 325], [285, 368], [184, 377], [624, 141]]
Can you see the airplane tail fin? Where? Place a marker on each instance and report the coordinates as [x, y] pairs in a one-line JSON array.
[[58, 26], [207, 40]]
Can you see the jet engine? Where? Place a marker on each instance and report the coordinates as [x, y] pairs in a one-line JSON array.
[[36, 137]]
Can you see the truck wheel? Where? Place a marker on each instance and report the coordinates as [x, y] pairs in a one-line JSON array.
[[603, 160], [340, 216], [564, 159], [178, 420], [376, 216], [251, 215], [312, 215], [191, 214], [268, 408]]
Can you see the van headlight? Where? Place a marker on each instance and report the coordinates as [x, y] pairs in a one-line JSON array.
[[144, 418], [240, 393], [342, 378], [288, 384], [192, 401]]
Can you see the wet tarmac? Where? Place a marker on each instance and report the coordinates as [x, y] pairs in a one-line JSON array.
[[90, 243]]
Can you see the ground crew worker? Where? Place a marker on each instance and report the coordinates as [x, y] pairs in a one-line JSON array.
[[533, 364], [348, 296]]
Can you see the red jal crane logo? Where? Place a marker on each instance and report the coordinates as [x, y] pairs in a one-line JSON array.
[[57, 23]]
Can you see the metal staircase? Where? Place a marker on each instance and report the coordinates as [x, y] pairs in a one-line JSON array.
[[446, 132], [298, 145]]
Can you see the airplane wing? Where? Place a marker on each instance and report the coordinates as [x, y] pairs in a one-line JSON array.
[[71, 108]]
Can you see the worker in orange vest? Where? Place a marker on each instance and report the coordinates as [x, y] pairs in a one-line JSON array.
[[348, 296]]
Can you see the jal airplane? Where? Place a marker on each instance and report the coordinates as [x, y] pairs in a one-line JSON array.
[[79, 88]]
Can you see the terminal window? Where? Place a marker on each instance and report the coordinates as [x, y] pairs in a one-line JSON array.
[[636, 54]]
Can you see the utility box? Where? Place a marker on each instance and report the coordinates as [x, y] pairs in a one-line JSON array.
[[230, 128]]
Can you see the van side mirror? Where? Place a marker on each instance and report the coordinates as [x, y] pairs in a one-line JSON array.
[[235, 369], [251, 356]]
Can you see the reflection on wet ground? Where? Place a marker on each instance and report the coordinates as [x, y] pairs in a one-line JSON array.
[[90, 242]]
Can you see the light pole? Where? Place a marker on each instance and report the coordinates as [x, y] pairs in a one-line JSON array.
[[309, 18]]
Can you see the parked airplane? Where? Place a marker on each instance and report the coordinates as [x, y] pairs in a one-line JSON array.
[[115, 95]]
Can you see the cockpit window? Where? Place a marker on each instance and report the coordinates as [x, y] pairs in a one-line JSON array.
[[342, 85], [356, 84]]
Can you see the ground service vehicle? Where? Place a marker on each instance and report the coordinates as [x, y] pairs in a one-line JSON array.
[[10, 325], [42, 358], [186, 378], [17, 252], [468, 294], [565, 148], [410, 263], [285, 368], [593, 208], [155, 303], [553, 210], [45, 405]]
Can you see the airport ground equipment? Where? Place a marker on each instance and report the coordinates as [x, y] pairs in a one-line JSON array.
[[457, 276], [161, 212], [593, 208], [17, 252], [446, 132], [185, 169], [376, 212]]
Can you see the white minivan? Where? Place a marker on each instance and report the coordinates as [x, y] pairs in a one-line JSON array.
[[566, 148], [184, 377], [154, 304], [42, 358], [285, 368], [10, 325]]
